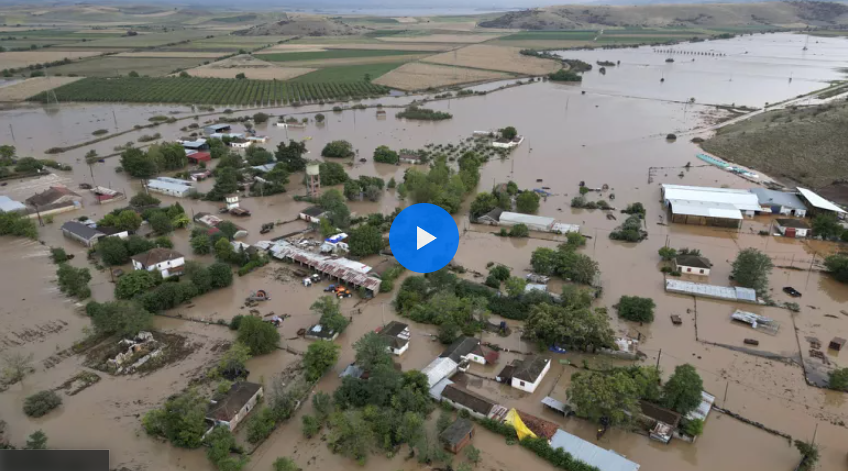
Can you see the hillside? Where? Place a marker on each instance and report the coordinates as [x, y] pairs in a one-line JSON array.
[[774, 14], [804, 146], [303, 26]]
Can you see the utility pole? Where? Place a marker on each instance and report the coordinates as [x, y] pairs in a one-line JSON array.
[[659, 355], [724, 401]]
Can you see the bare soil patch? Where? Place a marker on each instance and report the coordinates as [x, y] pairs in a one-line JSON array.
[[248, 65], [355, 61], [79, 382], [441, 38], [120, 356], [419, 76], [17, 59], [507, 59], [283, 48], [210, 55]]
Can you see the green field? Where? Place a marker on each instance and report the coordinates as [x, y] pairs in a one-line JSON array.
[[110, 66], [347, 73], [209, 91], [48, 37], [229, 43], [551, 36], [335, 54], [144, 40]]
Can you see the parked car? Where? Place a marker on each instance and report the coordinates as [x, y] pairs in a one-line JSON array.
[[792, 292]]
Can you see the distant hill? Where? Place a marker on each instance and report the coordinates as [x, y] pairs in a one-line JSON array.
[[777, 14], [303, 26]]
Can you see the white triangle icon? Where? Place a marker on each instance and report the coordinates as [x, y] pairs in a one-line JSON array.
[[422, 238]]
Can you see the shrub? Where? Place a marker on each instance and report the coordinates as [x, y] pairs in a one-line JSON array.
[[519, 230], [41, 403], [636, 309], [311, 427], [694, 427]]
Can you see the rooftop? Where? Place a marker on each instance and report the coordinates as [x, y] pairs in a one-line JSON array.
[[80, 229], [156, 255], [530, 369], [439, 369], [742, 200], [50, 195], [661, 414], [591, 454], [464, 397], [732, 293], [778, 198], [796, 223], [218, 127], [521, 218], [168, 186], [462, 347], [313, 211], [457, 431], [394, 328], [693, 261], [818, 201], [8, 205], [346, 270], [237, 397], [705, 209], [541, 427]]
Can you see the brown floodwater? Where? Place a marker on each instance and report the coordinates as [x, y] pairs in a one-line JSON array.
[[611, 135]]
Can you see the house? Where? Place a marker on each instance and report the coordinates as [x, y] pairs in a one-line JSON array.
[[796, 228], [227, 135], [312, 214], [166, 186], [200, 176], [353, 371], [8, 205], [662, 422], [723, 207], [319, 332], [408, 158], [727, 293], [82, 233], [693, 265], [168, 262], [112, 232], [439, 369], [818, 205], [463, 399], [504, 143], [214, 128], [197, 145], [469, 348], [491, 218], [591, 454], [397, 334], [236, 405], [255, 139], [56, 199], [500, 217], [780, 202], [198, 157], [457, 435], [526, 374], [240, 144]]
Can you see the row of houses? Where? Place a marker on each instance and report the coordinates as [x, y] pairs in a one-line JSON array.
[[727, 207]]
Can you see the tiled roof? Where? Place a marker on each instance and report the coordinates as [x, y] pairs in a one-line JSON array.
[[156, 255], [468, 399], [238, 396]]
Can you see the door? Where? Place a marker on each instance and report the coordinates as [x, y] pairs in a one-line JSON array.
[[790, 232]]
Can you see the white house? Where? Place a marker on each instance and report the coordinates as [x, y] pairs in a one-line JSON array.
[[164, 186], [469, 348], [463, 399], [312, 214], [792, 228], [168, 262], [397, 334], [693, 265], [503, 143], [236, 405], [527, 374], [240, 145]]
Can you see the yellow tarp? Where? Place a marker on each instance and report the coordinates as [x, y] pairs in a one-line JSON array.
[[513, 419]]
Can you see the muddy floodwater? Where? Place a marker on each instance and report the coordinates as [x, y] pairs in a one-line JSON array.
[[614, 135]]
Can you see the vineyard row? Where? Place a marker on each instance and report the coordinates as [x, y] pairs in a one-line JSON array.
[[213, 91]]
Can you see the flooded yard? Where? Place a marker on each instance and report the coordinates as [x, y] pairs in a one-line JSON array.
[[614, 134]]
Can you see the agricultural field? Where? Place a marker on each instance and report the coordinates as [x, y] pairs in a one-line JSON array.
[[144, 40], [440, 38], [229, 43], [211, 91], [504, 59], [26, 39], [112, 66], [169, 54], [333, 54], [32, 86], [420, 48], [15, 60], [421, 76], [250, 66], [347, 74]]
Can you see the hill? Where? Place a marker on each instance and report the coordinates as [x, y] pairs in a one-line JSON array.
[[804, 146], [726, 15], [303, 25]]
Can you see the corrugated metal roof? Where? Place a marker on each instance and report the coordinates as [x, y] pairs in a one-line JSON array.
[[528, 219], [730, 293], [742, 200], [168, 186], [818, 201], [439, 369], [175, 180], [704, 407], [565, 228], [8, 205], [705, 209], [438, 388], [336, 267], [591, 454], [778, 198]]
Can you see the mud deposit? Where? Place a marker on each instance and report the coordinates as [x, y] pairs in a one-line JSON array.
[[614, 134]]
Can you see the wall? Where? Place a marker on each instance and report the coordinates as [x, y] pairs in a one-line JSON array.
[[459, 406], [531, 387], [245, 410], [693, 270]]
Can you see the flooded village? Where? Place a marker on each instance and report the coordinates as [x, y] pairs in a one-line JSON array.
[[629, 135]]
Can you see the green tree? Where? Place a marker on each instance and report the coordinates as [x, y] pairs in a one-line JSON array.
[[41, 403], [58, 255], [113, 251], [220, 275], [224, 251], [220, 443], [332, 173], [201, 244], [137, 163], [217, 148], [350, 435], [311, 427], [500, 272], [751, 269], [18, 225], [473, 454], [636, 309], [527, 202], [125, 318], [257, 155], [233, 360], [574, 325], [515, 286], [260, 117], [694, 427], [7, 152], [133, 74], [392, 183], [331, 318], [143, 200], [320, 357], [285, 464], [449, 332], [338, 149], [181, 420], [28, 165], [136, 282], [74, 281], [509, 132], [371, 351], [809, 453], [161, 223], [667, 253], [365, 240], [837, 265], [838, 379], [291, 155], [519, 230], [599, 395], [319, 118], [37, 441], [228, 229], [826, 226], [226, 182], [385, 155], [682, 392], [259, 336]]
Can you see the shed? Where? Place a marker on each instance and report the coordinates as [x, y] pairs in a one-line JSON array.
[[728, 293], [457, 435], [697, 205], [528, 373], [198, 145], [8, 205], [533, 222], [792, 227], [837, 343], [591, 454], [198, 157], [170, 188], [819, 204], [397, 334], [53, 196], [491, 218], [408, 158], [466, 348], [319, 332], [439, 369], [463, 399], [665, 421], [80, 232], [220, 127], [780, 202], [236, 405], [311, 214], [693, 265]]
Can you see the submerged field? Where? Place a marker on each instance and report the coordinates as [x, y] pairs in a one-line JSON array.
[[209, 91]]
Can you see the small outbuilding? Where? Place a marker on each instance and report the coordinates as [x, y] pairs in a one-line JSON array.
[[837, 343], [526, 374], [8, 205], [168, 262], [312, 214], [469, 348], [215, 128], [463, 399], [166, 186], [235, 405], [82, 233], [662, 422], [818, 205], [397, 334], [795, 228], [693, 265], [198, 157], [457, 435]]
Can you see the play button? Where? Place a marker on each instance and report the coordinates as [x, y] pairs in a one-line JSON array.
[[424, 238]]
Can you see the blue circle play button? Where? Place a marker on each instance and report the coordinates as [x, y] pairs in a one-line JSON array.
[[424, 238]]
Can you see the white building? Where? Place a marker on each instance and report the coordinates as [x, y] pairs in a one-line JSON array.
[[507, 143], [706, 206], [439, 369], [240, 145], [792, 228], [166, 261], [693, 265], [527, 374], [820, 204], [235, 406], [397, 334], [591, 454], [469, 348], [165, 187], [780, 202], [8, 205]]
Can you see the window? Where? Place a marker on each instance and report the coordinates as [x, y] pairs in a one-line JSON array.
[[688, 270], [702, 271], [521, 383]]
